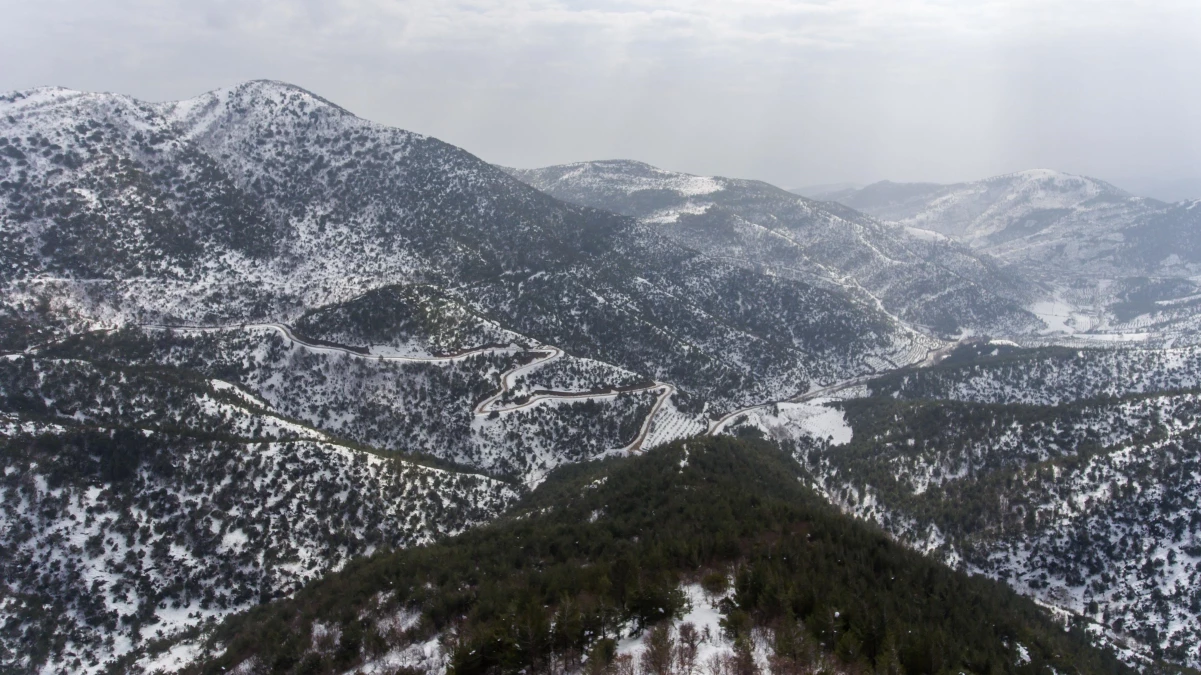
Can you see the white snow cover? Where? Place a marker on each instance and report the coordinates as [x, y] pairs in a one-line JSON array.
[[815, 419], [703, 613], [1061, 317], [646, 178], [235, 521]]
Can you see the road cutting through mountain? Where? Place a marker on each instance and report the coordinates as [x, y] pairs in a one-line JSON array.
[[507, 378], [932, 357]]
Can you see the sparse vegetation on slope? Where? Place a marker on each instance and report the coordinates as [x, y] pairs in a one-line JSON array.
[[1070, 474]]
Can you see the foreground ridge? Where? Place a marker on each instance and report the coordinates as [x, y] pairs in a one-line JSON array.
[[708, 546]]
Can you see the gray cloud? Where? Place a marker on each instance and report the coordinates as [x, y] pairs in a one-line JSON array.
[[791, 92]]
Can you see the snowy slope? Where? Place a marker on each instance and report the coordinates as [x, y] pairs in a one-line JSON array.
[[263, 202], [917, 278], [256, 290], [157, 500], [1057, 223], [1116, 266], [255, 303], [1051, 376], [1070, 474]]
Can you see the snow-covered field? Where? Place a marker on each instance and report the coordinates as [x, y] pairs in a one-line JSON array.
[[814, 419], [670, 424]]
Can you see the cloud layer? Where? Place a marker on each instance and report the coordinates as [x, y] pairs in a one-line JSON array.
[[792, 92]]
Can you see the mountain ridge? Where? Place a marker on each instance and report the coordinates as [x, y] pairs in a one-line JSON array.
[[765, 226], [714, 531], [186, 239], [979, 211]]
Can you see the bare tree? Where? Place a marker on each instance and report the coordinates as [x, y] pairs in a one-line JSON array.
[[657, 659], [686, 648], [622, 665], [719, 664]]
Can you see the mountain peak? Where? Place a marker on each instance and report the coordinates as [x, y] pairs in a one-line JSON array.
[[268, 100], [278, 91], [265, 92], [1058, 178], [617, 164], [268, 94], [1040, 173]]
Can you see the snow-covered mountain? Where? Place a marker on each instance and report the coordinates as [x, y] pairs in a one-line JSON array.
[[141, 502], [250, 336], [1046, 219], [270, 295], [1114, 264], [923, 279], [1069, 474], [263, 201]]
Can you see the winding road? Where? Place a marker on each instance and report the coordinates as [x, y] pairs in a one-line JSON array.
[[548, 354], [667, 391], [933, 356], [334, 349], [507, 378]]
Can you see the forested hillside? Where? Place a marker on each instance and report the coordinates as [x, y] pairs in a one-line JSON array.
[[1072, 475], [761, 227], [141, 501], [264, 202], [699, 555]]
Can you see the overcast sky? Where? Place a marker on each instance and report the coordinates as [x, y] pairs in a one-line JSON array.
[[793, 92]]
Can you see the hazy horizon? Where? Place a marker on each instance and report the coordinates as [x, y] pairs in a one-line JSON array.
[[793, 93]]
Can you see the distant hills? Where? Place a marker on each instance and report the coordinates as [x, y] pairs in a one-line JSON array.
[[760, 226], [1058, 224]]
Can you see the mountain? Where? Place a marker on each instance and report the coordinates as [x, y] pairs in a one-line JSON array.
[[814, 191], [885, 199], [249, 340], [262, 202], [992, 212], [1068, 474], [251, 312], [1117, 263], [759, 226], [142, 501], [264, 188], [1097, 244], [700, 555]]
